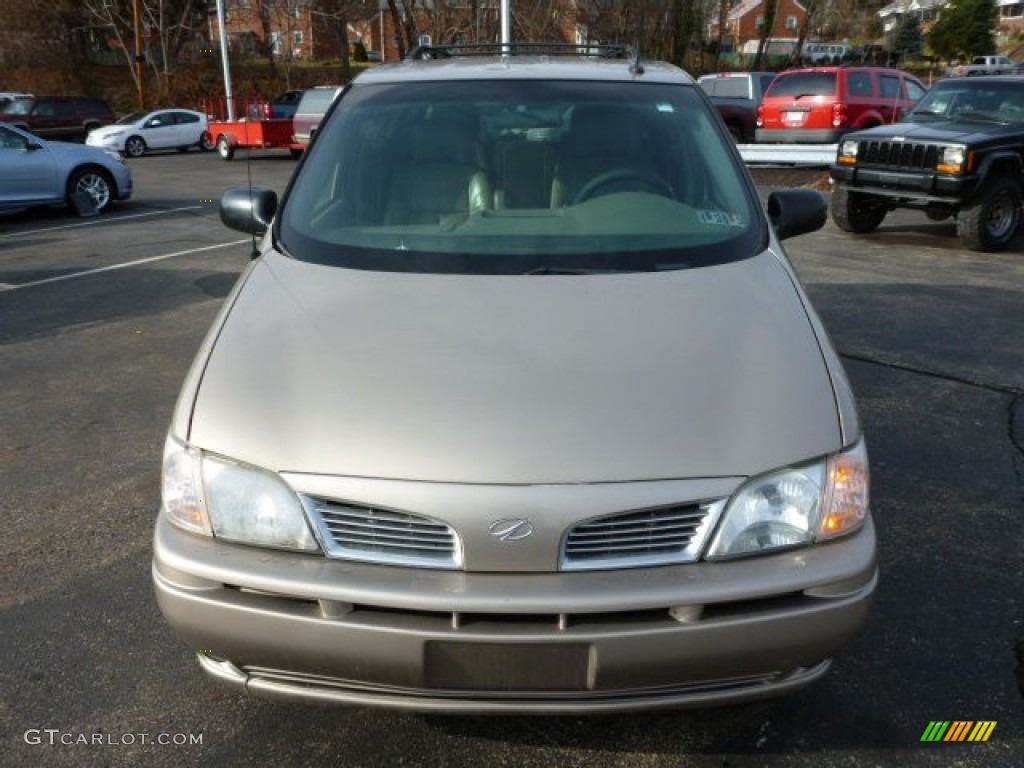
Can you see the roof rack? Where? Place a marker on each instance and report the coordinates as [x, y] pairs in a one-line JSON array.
[[597, 50]]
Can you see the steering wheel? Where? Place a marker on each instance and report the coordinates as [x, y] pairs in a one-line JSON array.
[[649, 181]]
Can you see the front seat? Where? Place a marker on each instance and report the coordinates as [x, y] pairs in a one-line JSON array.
[[604, 142], [442, 178]]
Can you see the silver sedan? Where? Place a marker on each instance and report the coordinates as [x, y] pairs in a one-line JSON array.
[[35, 172]]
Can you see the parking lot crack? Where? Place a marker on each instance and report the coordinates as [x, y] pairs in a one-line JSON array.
[[1015, 408], [1016, 424], [1003, 389]]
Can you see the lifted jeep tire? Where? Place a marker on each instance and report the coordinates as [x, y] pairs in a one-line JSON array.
[[991, 222], [856, 212]]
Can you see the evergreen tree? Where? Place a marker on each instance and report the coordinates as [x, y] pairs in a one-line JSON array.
[[965, 29], [906, 41]]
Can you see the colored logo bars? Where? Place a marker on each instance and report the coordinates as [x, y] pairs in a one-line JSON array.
[[958, 730]]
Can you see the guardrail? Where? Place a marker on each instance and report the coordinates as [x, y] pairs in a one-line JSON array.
[[788, 154]]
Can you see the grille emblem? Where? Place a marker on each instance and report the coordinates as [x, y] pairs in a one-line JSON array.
[[511, 529]]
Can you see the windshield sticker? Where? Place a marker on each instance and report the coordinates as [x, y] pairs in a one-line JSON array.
[[721, 218], [665, 108]]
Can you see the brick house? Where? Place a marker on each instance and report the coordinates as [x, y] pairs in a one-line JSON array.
[[1010, 14], [745, 22], [289, 23]]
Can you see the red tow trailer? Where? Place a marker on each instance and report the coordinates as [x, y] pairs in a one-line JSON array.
[[252, 130]]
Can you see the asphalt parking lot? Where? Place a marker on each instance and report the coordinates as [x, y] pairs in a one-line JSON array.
[[100, 318]]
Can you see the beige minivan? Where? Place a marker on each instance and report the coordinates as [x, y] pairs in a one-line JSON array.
[[521, 408]]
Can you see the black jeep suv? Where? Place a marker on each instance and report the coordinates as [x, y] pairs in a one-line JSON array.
[[958, 153]]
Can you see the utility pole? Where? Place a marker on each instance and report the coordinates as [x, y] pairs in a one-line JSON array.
[[506, 25], [226, 64], [140, 57]]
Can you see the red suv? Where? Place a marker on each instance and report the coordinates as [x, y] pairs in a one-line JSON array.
[[820, 104]]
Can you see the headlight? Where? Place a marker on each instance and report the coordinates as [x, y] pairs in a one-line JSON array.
[[847, 152], [183, 499], [114, 155], [953, 160], [795, 506], [215, 496]]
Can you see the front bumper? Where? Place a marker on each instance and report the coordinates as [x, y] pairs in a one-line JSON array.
[[799, 135], [920, 185], [115, 143], [308, 627], [124, 186]]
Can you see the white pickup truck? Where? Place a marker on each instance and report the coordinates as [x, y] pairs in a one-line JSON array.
[[984, 65]]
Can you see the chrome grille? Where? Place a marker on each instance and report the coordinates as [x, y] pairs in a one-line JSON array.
[[387, 536], [657, 536], [898, 154]]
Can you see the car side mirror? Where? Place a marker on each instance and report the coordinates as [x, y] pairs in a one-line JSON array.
[[248, 209], [797, 211]]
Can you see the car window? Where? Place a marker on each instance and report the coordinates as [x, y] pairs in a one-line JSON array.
[[183, 118], [317, 100], [727, 87], [804, 84], [11, 140], [18, 107], [915, 91], [890, 86], [859, 84], [132, 118], [486, 177]]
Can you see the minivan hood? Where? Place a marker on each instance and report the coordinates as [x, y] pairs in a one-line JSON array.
[[522, 379]]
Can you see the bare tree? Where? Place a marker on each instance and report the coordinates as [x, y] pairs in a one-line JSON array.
[[403, 36], [812, 11], [168, 25], [40, 34], [540, 20], [334, 17], [770, 7]]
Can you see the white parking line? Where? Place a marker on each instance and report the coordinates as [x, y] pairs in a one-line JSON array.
[[103, 220], [8, 287]]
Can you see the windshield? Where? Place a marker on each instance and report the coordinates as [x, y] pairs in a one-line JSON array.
[[131, 119], [509, 177], [966, 99]]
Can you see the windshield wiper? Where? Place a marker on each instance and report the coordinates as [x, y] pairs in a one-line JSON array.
[[548, 270], [981, 117]]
